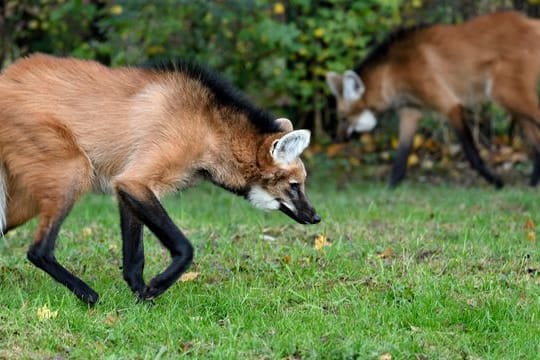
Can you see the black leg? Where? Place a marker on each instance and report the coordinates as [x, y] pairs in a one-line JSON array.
[[471, 152], [41, 254], [399, 169], [152, 214], [408, 124], [132, 250]]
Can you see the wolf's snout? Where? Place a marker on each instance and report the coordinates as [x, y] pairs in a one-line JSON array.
[[315, 219]]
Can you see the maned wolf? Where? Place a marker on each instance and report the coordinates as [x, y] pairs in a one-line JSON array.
[[68, 126], [447, 68]]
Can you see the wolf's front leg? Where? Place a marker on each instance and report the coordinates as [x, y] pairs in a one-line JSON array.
[[144, 205], [132, 249]]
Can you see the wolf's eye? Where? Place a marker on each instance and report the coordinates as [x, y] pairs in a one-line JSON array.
[[295, 187]]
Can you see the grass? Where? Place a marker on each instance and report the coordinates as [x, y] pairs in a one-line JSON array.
[[425, 272]]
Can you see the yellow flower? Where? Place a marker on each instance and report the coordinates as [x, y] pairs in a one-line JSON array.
[[319, 32], [116, 9], [279, 8]]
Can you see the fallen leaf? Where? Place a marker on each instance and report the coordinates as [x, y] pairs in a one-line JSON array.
[[531, 235], [189, 276], [321, 242], [286, 259], [387, 253], [87, 232], [412, 160], [418, 140], [431, 145], [334, 149], [111, 319], [529, 225], [385, 356], [44, 313]]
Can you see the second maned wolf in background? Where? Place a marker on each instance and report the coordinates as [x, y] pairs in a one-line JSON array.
[[448, 68], [68, 126]]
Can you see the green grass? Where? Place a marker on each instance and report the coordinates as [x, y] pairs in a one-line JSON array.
[[461, 280]]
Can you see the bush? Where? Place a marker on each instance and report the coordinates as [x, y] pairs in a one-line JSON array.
[[277, 51]]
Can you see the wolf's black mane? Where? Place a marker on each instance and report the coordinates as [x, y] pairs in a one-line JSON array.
[[224, 93], [380, 51]]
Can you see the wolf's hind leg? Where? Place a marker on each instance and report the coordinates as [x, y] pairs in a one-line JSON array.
[[41, 253]]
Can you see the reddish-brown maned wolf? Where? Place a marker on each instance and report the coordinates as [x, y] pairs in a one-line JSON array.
[[68, 126], [448, 68]]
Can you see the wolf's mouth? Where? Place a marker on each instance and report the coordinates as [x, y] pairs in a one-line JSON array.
[[302, 218]]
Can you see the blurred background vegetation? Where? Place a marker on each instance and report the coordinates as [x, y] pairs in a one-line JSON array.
[[276, 51]]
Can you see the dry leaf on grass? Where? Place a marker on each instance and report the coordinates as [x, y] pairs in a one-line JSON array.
[[189, 276], [44, 313], [321, 242], [286, 259], [111, 319], [387, 253], [385, 356], [413, 160], [418, 140], [334, 149]]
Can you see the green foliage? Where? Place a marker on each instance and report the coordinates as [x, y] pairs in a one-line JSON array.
[[59, 27], [277, 50]]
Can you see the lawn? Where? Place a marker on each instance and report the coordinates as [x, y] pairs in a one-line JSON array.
[[425, 271]]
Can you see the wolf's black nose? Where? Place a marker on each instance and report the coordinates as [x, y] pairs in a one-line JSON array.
[[316, 219]]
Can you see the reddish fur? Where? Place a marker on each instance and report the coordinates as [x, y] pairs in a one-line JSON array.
[[448, 67], [442, 65], [139, 129]]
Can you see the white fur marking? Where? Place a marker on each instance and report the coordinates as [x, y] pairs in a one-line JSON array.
[[353, 86], [334, 82], [364, 122], [290, 146], [261, 199], [3, 199], [290, 206]]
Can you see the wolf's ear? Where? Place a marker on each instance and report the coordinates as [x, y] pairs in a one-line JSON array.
[[285, 124], [290, 146], [353, 86], [335, 83]]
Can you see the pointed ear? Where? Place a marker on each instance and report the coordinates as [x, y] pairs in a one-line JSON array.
[[290, 146], [353, 86], [285, 124], [335, 83]]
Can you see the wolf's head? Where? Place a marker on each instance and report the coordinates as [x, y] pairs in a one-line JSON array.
[[279, 184], [352, 105]]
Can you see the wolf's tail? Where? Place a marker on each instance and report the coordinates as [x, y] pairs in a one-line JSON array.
[[3, 199]]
